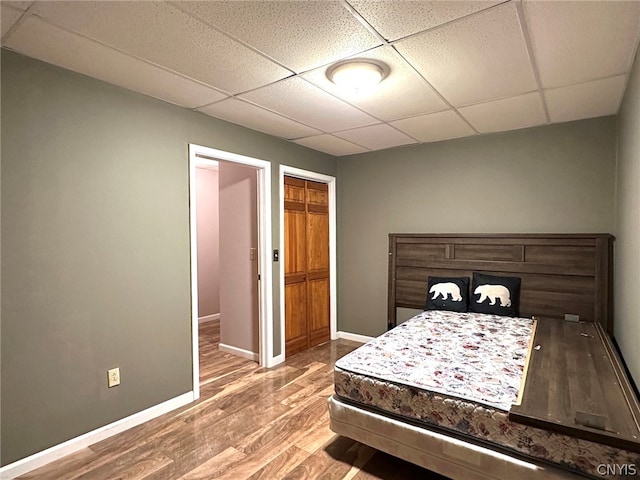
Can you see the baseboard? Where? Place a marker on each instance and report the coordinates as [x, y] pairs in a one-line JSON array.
[[209, 318], [238, 352], [44, 457], [354, 337]]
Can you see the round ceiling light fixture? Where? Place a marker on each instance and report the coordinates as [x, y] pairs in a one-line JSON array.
[[358, 74]]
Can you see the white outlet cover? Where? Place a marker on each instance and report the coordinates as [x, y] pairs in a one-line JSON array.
[[113, 377]]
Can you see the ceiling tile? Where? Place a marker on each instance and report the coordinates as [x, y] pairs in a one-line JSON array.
[[299, 100], [9, 17], [479, 58], [331, 145], [506, 114], [402, 94], [251, 116], [376, 137], [435, 127], [17, 4], [394, 19], [167, 36], [578, 41], [85, 56], [587, 100], [300, 35]]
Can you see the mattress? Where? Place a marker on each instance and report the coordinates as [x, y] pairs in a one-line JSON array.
[[461, 372]]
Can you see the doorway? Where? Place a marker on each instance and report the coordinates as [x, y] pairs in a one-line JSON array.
[[308, 301], [203, 156], [208, 241]]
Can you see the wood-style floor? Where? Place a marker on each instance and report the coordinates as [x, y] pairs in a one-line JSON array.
[[249, 423]]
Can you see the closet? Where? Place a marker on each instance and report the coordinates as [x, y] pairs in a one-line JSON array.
[[306, 264]]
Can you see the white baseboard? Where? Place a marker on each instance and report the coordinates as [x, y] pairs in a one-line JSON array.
[[354, 337], [209, 318], [239, 352], [44, 457]]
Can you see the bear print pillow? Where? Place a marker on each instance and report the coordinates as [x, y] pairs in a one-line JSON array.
[[447, 293], [495, 295]]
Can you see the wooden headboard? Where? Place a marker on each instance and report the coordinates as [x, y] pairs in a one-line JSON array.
[[561, 274]]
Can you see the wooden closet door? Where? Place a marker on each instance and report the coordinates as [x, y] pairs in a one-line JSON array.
[[295, 266], [318, 262], [306, 229]]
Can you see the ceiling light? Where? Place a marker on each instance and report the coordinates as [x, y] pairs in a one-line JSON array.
[[357, 75]]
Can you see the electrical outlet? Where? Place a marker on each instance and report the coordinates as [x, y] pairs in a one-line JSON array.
[[570, 317], [113, 377]]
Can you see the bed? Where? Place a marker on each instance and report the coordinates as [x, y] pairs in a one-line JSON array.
[[540, 393]]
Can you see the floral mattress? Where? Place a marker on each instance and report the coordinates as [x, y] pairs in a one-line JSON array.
[[462, 372]]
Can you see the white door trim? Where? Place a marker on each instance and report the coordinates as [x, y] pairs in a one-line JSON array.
[[333, 300], [205, 156]]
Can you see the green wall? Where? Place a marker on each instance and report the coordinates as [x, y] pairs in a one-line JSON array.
[[627, 248], [557, 178], [95, 248]]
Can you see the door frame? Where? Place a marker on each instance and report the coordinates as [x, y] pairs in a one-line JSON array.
[[286, 170], [200, 156]]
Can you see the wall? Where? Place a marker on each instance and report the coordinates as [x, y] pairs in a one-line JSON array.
[[627, 231], [557, 178], [239, 326], [95, 242], [208, 242]]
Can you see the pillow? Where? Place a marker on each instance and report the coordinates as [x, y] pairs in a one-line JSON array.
[[447, 293], [495, 295]]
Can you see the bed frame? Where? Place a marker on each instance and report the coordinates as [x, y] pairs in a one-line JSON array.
[[561, 275]]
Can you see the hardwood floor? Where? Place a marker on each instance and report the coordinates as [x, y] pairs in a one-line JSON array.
[[250, 423]]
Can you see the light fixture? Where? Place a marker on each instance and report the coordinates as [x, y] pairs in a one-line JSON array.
[[358, 74]]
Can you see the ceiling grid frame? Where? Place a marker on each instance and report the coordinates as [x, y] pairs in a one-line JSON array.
[[427, 111]]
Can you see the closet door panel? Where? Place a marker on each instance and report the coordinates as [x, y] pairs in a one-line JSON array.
[[296, 331], [318, 294], [306, 264]]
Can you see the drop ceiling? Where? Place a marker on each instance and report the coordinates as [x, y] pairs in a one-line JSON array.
[[457, 68]]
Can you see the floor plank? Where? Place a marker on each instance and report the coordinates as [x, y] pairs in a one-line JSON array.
[[281, 465], [250, 423]]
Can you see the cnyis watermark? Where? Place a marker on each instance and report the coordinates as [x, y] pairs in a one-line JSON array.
[[619, 469]]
